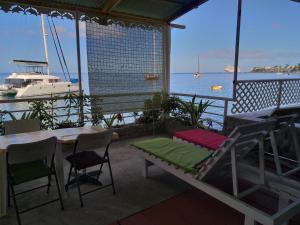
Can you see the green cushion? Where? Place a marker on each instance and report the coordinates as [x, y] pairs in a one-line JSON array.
[[25, 172], [184, 156]]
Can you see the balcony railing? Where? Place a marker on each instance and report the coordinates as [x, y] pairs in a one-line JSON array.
[[131, 108], [115, 109], [257, 95]]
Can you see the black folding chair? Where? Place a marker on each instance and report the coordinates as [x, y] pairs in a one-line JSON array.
[[84, 157], [28, 162], [20, 126]]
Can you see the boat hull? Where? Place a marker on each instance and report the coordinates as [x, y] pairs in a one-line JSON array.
[[10, 93], [41, 89]]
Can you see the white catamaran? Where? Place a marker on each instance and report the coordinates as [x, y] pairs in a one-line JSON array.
[[33, 81]]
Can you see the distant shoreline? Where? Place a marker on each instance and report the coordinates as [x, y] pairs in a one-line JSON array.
[[277, 69]]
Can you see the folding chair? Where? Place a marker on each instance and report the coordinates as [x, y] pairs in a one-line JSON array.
[[84, 157], [285, 130], [21, 126], [28, 162]]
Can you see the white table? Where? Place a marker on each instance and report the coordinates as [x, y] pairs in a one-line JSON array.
[[64, 136]]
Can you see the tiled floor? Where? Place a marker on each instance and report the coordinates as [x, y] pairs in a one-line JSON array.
[[134, 193], [161, 200]]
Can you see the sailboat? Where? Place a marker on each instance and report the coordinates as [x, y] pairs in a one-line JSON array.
[[33, 81], [197, 75]]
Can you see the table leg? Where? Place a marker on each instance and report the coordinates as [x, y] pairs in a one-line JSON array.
[[59, 163], [3, 184]]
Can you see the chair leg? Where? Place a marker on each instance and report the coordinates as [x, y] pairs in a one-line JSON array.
[[111, 178], [49, 184], [58, 190], [15, 204], [8, 194], [100, 170], [78, 187], [69, 177]]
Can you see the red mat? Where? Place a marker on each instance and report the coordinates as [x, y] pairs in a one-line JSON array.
[[189, 208], [205, 138]]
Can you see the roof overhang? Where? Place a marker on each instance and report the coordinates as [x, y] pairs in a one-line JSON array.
[[30, 63], [147, 11]]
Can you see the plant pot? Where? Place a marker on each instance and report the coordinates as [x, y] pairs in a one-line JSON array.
[[139, 130], [172, 126]]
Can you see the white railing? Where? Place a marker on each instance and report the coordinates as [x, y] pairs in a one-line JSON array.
[[257, 95], [217, 111]]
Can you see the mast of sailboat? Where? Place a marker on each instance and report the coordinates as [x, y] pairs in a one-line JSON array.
[[198, 71], [45, 43]]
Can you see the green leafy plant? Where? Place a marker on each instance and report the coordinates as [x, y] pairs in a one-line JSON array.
[[43, 111], [120, 118], [82, 104], [170, 105], [135, 116], [70, 102], [76, 107], [65, 124], [95, 110], [25, 116], [191, 112], [2, 119], [109, 121], [152, 109], [40, 109], [96, 116]]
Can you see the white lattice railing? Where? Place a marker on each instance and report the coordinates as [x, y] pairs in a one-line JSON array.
[[257, 95]]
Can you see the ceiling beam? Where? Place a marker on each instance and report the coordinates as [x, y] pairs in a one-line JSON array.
[[109, 5], [178, 26], [194, 4]]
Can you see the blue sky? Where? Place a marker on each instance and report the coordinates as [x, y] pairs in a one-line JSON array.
[[269, 36]]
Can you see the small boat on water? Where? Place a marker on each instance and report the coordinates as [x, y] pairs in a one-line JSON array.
[[151, 77], [197, 75], [216, 87]]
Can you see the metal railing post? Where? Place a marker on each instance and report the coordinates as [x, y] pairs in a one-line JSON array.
[[225, 109], [279, 94], [225, 114], [237, 46], [81, 109]]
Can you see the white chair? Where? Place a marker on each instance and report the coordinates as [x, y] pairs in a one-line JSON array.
[[21, 126], [85, 157], [28, 162]]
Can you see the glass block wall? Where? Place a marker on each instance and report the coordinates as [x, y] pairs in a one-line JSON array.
[[124, 60]]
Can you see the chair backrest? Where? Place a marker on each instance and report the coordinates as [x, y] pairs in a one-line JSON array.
[[243, 139], [286, 120], [286, 136], [29, 152], [250, 133], [86, 142], [287, 112], [21, 126]]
